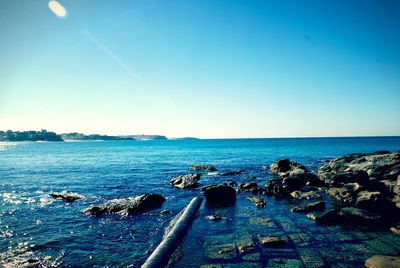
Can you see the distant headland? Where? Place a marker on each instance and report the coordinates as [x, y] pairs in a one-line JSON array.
[[44, 135]]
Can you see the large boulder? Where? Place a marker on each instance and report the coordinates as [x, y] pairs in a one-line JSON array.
[[294, 175], [127, 206], [285, 168], [382, 261], [205, 168], [220, 194], [186, 181]]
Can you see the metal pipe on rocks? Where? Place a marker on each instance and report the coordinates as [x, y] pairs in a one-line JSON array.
[[162, 254]]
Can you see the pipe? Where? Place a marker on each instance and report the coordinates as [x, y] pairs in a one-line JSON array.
[[162, 254]]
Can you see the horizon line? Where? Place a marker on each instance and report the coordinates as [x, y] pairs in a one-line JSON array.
[[225, 138]]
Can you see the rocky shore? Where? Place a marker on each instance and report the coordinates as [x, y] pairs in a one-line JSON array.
[[360, 191], [363, 192]]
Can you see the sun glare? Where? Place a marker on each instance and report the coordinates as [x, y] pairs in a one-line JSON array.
[[57, 9]]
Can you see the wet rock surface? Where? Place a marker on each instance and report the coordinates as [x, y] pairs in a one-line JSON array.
[[67, 197], [349, 216], [316, 206], [381, 261], [128, 206], [220, 194], [258, 201], [186, 181], [305, 195]]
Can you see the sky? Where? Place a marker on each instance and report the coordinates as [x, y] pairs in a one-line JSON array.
[[208, 69]]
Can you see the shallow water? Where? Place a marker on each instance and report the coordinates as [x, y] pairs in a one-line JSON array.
[[31, 222]]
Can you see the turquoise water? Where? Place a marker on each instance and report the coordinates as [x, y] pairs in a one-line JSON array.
[[31, 222]]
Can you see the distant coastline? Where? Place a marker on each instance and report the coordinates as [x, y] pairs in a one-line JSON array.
[[44, 135]]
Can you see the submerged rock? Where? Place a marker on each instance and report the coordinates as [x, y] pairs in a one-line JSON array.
[[258, 201], [382, 261], [165, 212], [67, 197], [220, 194], [213, 218], [316, 206], [128, 206], [348, 216], [272, 241], [186, 181], [205, 168]]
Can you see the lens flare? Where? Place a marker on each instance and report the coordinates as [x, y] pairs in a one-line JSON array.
[[57, 9]]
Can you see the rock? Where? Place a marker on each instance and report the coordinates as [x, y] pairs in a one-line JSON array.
[[358, 167], [359, 176], [388, 187], [369, 200], [313, 180], [281, 165], [231, 173], [220, 251], [305, 195], [231, 183], [342, 195], [313, 215], [395, 230], [272, 241], [353, 187], [250, 186], [205, 168], [290, 184], [348, 216], [128, 206], [213, 218], [165, 212], [220, 194], [258, 201], [67, 197], [285, 168], [186, 181], [262, 221], [245, 244], [382, 261], [316, 206]]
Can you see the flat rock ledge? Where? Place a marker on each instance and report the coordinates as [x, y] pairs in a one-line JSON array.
[[127, 206]]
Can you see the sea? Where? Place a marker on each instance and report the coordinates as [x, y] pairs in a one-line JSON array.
[[34, 226]]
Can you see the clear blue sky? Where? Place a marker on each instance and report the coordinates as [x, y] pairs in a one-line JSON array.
[[202, 68]]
